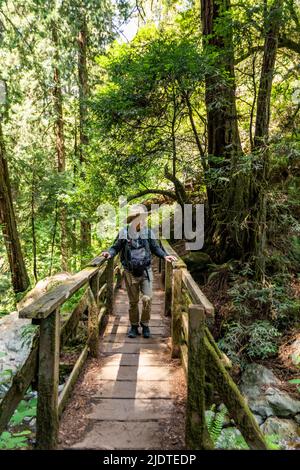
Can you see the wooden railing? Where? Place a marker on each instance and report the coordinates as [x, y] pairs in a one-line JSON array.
[[101, 279], [192, 314]]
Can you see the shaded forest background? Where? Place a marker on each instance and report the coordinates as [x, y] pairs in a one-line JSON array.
[[202, 105]]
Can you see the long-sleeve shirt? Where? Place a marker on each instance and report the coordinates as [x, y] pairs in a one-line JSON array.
[[118, 245]]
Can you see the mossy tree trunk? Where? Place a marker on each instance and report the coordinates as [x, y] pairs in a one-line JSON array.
[[60, 146], [227, 196], [20, 279], [261, 137], [82, 41]]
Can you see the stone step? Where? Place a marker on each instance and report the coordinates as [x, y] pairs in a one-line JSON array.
[[128, 409]]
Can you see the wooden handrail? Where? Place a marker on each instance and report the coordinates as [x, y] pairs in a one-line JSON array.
[[191, 340], [201, 357], [98, 275], [53, 299]]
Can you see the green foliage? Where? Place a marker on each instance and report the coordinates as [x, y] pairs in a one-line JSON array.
[[256, 340], [16, 440], [296, 381], [71, 303], [5, 378], [273, 441], [24, 409], [27, 333], [215, 421], [230, 438], [262, 340]]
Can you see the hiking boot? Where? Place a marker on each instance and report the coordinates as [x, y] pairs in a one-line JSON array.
[[146, 331], [134, 331]]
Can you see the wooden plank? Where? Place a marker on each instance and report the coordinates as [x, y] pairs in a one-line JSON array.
[[110, 286], [102, 292], [93, 328], [176, 312], [185, 325], [168, 288], [20, 384], [97, 261], [184, 358], [196, 293], [196, 433], [26, 374], [48, 375], [68, 387], [70, 325], [53, 299], [177, 264], [67, 390]]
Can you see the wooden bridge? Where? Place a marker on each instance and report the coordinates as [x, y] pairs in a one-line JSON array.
[[135, 384]]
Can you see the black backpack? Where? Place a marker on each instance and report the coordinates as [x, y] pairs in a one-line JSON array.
[[137, 255]]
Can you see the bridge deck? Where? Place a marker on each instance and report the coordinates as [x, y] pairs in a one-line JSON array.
[[135, 391]]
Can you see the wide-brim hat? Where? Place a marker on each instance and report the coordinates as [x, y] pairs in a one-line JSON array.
[[136, 212]]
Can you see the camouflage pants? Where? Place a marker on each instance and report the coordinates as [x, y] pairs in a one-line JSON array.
[[135, 286]]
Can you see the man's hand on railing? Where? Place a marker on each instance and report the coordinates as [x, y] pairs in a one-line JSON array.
[[106, 254], [170, 258]]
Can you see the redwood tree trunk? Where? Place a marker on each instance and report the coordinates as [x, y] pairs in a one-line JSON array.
[[20, 279], [60, 148], [227, 196], [85, 226], [260, 175]]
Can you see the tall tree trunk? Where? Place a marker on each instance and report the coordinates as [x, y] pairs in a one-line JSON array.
[[20, 279], [33, 233], [260, 175], [85, 226], [60, 147], [227, 196]]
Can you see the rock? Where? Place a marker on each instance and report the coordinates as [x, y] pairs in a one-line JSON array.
[[295, 352], [230, 438], [281, 402], [261, 389], [254, 377], [32, 424], [197, 261], [297, 418], [13, 346], [285, 428], [258, 419]]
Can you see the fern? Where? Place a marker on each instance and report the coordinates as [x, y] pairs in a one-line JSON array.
[[215, 422]]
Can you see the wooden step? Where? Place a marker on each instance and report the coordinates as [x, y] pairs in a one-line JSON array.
[[128, 409]]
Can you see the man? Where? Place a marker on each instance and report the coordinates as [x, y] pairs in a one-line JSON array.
[[136, 244]]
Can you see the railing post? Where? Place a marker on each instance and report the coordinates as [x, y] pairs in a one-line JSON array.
[[110, 286], [196, 435], [48, 376], [93, 330], [168, 288], [95, 285], [176, 312]]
